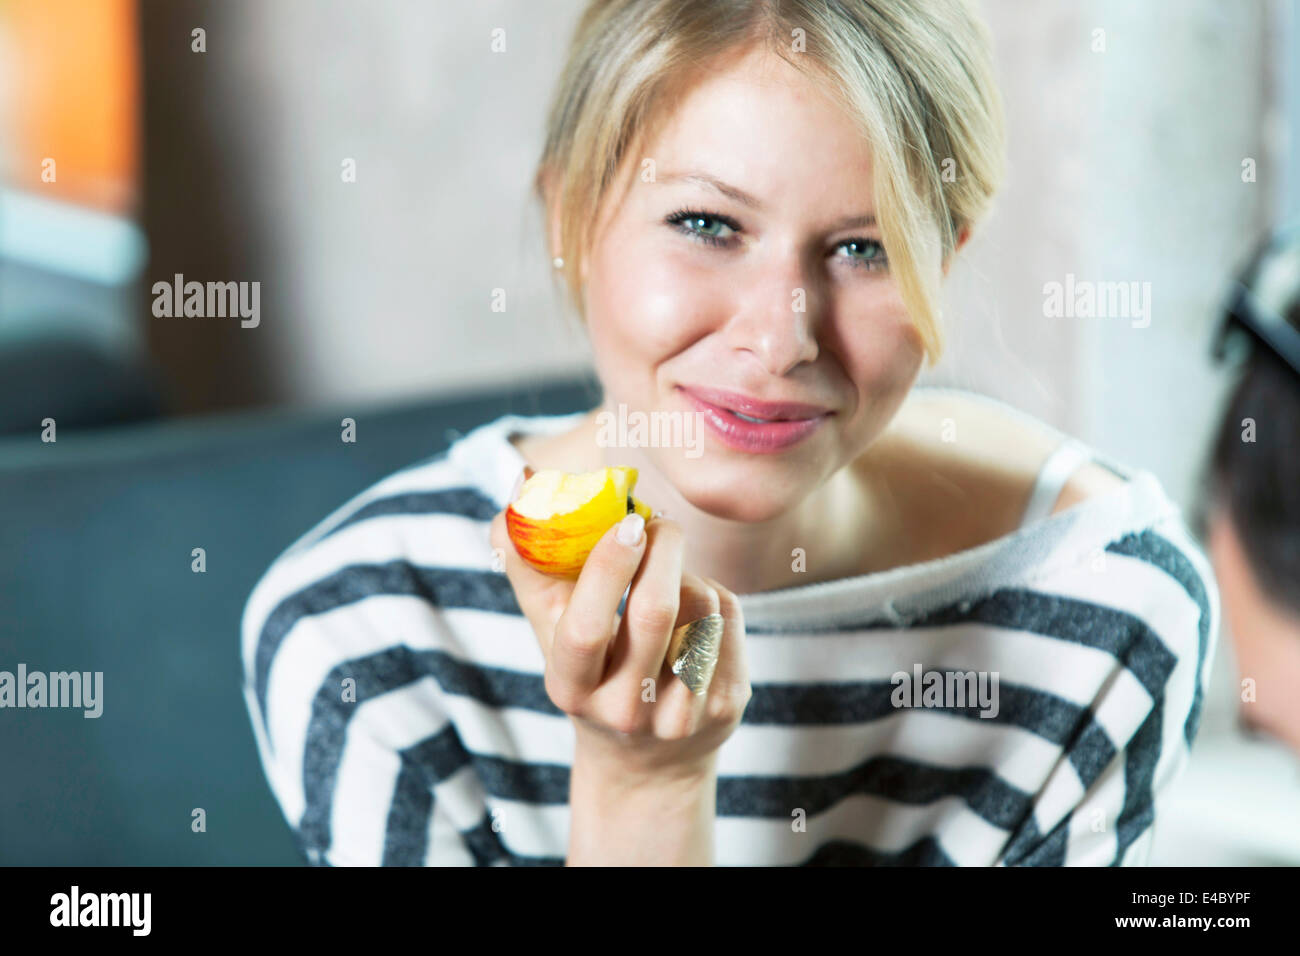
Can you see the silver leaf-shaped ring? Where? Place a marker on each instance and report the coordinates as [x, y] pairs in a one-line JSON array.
[[694, 651]]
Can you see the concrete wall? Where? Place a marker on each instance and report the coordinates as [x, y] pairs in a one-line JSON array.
[[382, 287], [1125, 166]]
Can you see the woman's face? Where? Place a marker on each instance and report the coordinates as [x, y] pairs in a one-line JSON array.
[[769, 283]]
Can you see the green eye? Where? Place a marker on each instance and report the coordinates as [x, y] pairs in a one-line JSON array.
[[703, 226], [864, 252]]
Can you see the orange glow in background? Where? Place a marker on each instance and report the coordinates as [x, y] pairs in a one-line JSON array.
[[73, 77]]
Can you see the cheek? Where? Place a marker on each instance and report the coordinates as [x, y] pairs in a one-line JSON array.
[[645, 305], [882, 347]]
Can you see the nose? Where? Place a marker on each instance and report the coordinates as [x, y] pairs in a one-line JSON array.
[[776, 321]]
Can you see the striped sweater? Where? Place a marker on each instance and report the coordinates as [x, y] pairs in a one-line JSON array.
[[396, 691]]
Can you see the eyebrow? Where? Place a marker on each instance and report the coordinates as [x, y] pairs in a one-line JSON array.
[[745, 199]]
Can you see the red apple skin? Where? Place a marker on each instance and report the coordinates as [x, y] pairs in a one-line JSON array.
[[549, 549]]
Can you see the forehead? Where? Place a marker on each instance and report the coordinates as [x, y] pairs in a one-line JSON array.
[[765, 126]]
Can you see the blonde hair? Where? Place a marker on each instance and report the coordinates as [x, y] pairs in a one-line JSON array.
[[915, 74]]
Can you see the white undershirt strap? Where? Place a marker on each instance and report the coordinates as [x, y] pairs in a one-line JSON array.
[[1052, 478]]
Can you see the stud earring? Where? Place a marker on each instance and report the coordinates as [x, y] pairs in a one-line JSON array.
[[557, 262]]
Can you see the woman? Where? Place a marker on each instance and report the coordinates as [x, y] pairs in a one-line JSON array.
[[949, 636]]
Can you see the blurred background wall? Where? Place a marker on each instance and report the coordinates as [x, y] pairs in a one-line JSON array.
[[377, 276]]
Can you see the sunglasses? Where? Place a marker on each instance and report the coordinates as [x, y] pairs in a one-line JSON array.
[[1259, 300]]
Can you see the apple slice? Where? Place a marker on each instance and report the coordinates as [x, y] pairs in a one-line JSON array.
[[558, 517]]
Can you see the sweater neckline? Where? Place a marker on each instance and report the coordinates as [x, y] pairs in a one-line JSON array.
[[894, 595]]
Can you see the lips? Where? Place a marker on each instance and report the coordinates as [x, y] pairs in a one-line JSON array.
[[780, 425], [754, 408]]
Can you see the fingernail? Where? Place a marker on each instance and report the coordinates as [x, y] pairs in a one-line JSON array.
[[656, 514], [630, 529]]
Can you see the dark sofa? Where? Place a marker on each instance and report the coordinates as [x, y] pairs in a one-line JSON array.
[[95, 575]]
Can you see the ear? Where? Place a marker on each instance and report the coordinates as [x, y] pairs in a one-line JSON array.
[[961, 241]]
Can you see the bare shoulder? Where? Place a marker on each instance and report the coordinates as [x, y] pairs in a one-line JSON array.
[[1005, 449], [1088, 481], [971, 464]]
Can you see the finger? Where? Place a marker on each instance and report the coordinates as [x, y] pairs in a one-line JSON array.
[[641, 659], [732, 672], [653, 603], [682, 709], [585, 630], [541, 597]]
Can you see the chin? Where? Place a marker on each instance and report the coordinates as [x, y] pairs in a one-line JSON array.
[[721, 498]]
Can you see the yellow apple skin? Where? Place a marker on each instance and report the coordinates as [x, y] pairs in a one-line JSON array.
[[559, 545]]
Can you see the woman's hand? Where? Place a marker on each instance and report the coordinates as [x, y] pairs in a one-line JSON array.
[[633, 716], [643, 787]]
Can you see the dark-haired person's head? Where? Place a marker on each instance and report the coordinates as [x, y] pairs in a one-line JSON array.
[[1253, 518]]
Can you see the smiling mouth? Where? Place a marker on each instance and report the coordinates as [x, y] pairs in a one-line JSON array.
[[754, 411], [766, 421], [779, 426]]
